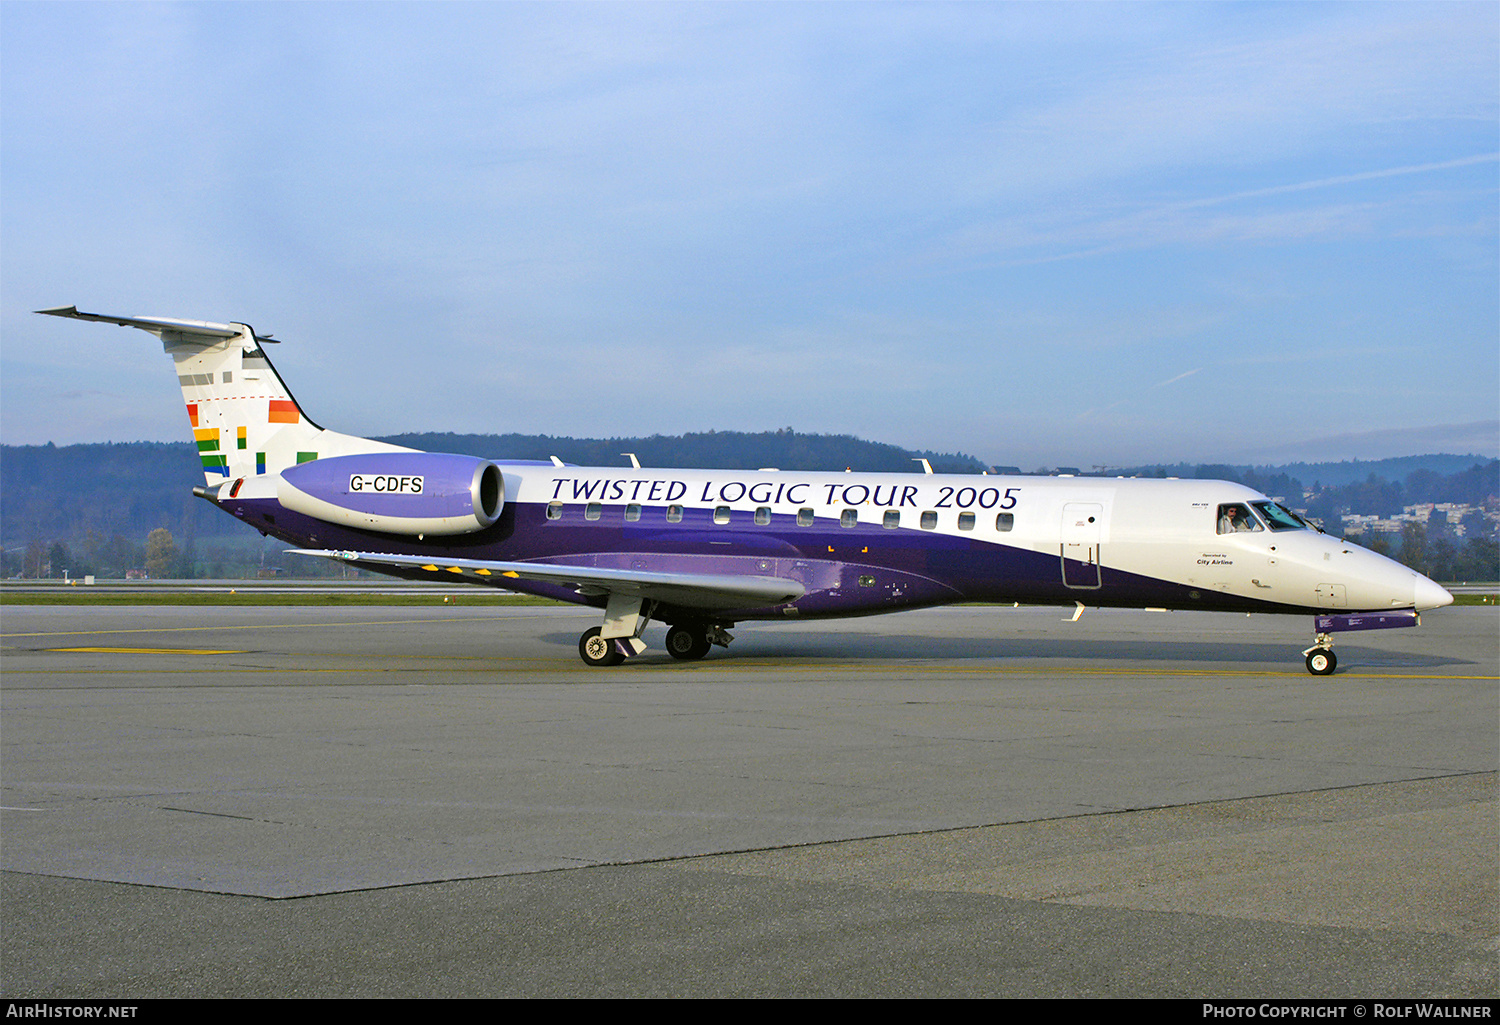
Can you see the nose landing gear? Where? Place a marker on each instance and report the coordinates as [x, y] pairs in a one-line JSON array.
[[1321, 661], [1320, 657]]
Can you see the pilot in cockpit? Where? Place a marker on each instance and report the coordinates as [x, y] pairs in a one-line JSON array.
[[1236, 519]]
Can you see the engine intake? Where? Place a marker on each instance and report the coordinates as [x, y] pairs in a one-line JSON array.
[[397, 492]]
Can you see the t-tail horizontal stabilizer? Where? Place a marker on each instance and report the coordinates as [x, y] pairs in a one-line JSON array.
[[244, 420]]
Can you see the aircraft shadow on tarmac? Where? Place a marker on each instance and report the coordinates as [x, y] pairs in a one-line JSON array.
[[899, 648]]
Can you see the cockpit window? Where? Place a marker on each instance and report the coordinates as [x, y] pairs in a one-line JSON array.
[[1236, 518], [1280, 517]]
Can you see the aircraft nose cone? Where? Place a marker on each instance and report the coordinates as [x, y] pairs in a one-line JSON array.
[[1430, 595]]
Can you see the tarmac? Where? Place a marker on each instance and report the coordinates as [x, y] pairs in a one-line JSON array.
[[975, 801]]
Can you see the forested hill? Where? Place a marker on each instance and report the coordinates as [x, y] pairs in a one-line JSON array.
[[714, 450], [1316, 476], [129, 488], [91, 506]]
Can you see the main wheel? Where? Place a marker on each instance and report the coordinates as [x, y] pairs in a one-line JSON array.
[[596, 650], [688, 643], [1321, 661]]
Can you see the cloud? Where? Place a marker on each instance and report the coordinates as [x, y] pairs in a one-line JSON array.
[[1179, 377]]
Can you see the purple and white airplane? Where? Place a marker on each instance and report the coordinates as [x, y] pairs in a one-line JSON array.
[[701, 550]]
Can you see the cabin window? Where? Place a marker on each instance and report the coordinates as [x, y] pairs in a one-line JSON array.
[[892, 519], [849, 517], [762, 515], [805, 517], [1005, 521], [593, 511], [632, 513], [1236, 518], [929, 519], [721, 514], [554, 510], [965, 521], [674, 514]]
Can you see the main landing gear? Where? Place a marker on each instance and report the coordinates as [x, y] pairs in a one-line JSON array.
[[688, 642], [620, 636], [625, 617], [598, 651], [691, 641]]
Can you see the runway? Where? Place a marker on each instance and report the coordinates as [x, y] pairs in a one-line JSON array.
[[399, 801]]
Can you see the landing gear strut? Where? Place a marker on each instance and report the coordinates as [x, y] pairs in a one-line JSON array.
[[625, 616]]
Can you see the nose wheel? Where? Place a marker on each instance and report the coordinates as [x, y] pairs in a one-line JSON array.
[[1321, 661]]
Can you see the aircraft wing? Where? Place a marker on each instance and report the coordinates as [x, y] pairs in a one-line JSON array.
[[693, 590]]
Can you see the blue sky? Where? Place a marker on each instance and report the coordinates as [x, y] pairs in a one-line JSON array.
[[1040, 234]]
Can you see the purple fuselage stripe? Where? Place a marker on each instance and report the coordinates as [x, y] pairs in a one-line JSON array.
[[902, 567]]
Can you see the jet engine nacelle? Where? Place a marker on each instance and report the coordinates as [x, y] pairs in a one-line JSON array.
[[397, 492]]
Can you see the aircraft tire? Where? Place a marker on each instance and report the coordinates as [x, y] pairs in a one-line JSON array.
[[687, 643], [596, 651], [1321, 662]]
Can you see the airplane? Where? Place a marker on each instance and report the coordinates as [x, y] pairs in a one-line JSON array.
[[702, 550]]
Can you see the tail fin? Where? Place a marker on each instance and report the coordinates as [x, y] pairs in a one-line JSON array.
[[244, 419]]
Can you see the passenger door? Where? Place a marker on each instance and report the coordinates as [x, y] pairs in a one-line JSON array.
[[1082, 526]]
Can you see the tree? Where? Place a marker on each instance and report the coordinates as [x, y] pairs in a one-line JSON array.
[[161, 552], [1479, 560], [119, 555], [185, 566], [1414, 546], [60, 560], [36, 559], [1442, 557]]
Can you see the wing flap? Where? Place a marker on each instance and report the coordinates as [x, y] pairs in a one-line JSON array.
[[695, 590]]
